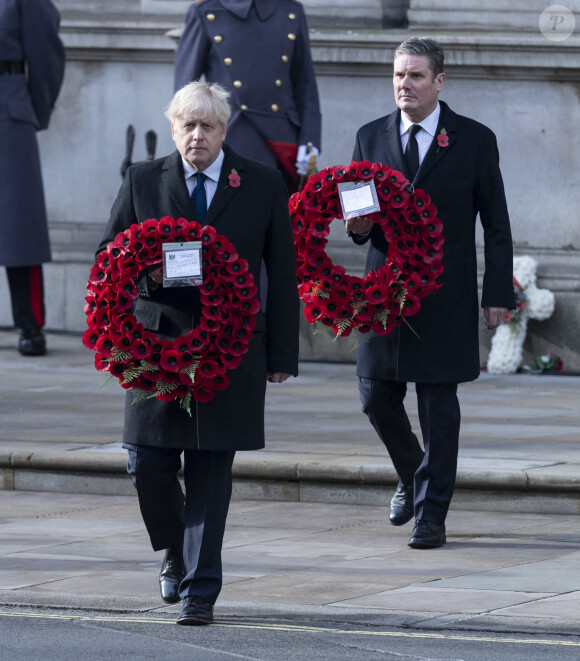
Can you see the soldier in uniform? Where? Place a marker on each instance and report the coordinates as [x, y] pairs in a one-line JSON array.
[[259, 51], [31, 72]]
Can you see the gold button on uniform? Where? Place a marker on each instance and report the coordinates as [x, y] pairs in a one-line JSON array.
[[285, 58], [244, 106], [228, 61], [210, 17], [292, 36], [291, 16], [274, 107], [237, 83], [218, 39], [278, 83]]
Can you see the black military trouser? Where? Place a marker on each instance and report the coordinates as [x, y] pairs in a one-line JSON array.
[[27, 295]]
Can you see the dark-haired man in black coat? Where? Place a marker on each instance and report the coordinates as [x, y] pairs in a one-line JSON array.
[[455, 160]]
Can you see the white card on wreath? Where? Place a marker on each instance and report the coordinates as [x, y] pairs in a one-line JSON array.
[[182, 263], [358, 198]]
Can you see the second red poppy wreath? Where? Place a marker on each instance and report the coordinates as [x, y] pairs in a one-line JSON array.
[[384, 298]]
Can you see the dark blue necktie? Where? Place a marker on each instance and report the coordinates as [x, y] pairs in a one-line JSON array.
[[199, 198]]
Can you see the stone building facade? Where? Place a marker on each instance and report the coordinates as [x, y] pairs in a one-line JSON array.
[[502, 70]]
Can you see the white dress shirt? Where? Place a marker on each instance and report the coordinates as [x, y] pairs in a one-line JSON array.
[[425, 136], [213, 175]]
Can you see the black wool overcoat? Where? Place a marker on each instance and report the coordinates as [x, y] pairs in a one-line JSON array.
[[463, 180], [254, 216]]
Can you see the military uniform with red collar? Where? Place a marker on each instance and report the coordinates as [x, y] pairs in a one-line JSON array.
[[259, 51]]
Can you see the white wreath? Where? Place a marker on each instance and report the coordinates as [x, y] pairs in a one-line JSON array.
[[506, 345]]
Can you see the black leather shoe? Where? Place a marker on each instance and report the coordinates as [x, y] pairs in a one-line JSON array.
[[427, 535], [195, 612], [402, 508], [171, 575], [32, 342]]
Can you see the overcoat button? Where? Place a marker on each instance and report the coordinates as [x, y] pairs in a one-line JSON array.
[[218, 39], [210, 17], [237, 83], [228, 61], [274, 107]]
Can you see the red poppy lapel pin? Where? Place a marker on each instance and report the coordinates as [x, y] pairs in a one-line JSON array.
[[442, 139], [234, 178]]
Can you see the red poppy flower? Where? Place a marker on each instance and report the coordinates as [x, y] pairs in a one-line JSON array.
[[208, 234], [234, 179], [101, 362], [312, 312], [421, 198], [411, 304], [90, 338], [220, 382], [128, 288], [376, 294], [97, 275], [207, 369], [168, 396], [293, 203], [363, 169], [338, 171], [203, 395], [170, 360], [319, 229], [434, 226], [139, 348], [148, 226], [442, 140], [117, 369], [192, 231]]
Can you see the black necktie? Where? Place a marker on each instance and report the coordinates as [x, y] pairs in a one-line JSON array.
[[412, 152], [199, 198]]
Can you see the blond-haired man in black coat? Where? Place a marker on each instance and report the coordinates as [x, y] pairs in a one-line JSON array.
[[455, 160], [253, 215]]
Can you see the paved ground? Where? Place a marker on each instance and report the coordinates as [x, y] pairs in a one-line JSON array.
[[322, 547]]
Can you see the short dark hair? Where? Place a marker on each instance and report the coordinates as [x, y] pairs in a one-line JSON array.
[[424, 46]]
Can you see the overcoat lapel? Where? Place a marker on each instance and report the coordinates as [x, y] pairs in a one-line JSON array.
[[224, 192], [447, 120], [174, 182], [391, 140]]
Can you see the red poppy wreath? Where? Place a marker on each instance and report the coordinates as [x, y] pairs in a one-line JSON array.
[[191, 366], [383, 298]]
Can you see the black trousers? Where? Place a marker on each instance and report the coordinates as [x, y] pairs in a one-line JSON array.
[[434, 468], [27, 295], [196, 519]]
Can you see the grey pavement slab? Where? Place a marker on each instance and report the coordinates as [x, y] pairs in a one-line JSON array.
[[92, 552], [520, 433]]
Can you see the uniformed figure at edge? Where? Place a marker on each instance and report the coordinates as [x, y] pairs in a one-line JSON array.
[[259, 51], [31, 72]]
